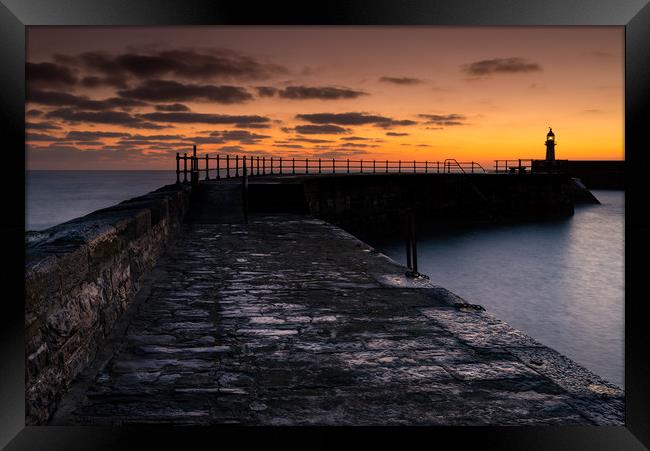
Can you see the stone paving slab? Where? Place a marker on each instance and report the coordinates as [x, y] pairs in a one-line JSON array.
[[292, 321]]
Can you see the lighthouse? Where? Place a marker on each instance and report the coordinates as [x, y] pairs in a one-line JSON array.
[[550, 145]]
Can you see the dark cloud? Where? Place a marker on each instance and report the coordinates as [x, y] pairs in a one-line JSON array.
[[93, 136], [356, 145], [353, 119], [101, 117], [243, 136], [401, 80], [396, 134], [146, 138], [501, 65], [320, 129], [266, 91], [188, 64], [444, 120], [356, 138], [311, 140], [340, 153], [34, 113], [49, 74], [172, 91], [254, 126], [39, 137], [172, 107], [289, 146], [42, 126], [319, 92], [203, 118], [115, 81], [55, 98]]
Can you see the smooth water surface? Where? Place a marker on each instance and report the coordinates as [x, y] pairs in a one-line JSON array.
[[53, 197], [561, 282]]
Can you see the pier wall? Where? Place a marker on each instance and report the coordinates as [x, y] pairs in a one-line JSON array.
[[376, 204], [79, 278]]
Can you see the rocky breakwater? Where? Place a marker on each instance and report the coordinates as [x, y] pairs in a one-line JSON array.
[[79, 278]]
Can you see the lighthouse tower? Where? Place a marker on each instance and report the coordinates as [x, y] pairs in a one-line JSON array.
[[550, 145]]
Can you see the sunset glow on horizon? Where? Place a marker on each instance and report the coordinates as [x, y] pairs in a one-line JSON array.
[[131, 97]]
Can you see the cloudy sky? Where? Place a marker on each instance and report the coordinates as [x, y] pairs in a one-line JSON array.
[[130, 98]]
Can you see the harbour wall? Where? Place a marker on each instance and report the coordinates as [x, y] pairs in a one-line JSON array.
[[80, 276]]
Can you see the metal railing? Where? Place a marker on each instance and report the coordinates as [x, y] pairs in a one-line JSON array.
[[519, 166], [230, 166]]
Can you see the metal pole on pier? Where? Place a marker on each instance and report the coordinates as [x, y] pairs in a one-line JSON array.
[[227, 166], [218, 176], [207, 167], [185, 167], [245, 190], [178, 168], [236, 165]]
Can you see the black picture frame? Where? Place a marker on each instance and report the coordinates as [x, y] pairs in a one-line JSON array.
[[634, 15]]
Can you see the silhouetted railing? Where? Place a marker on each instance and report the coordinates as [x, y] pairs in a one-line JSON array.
[[230, 166], [530, 165]]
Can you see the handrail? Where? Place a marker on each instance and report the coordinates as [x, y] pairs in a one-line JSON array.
[[232, 166]]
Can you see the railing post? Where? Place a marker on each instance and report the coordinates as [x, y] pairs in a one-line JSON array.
[[426, 166], [333, 166], [496, 166], [218, 168], [348, 165], [178, 168], [271, 170], [258, 165], [245, 190], [414, 169], [386, 166], [519, 168], [306, 165], [280, 165], [236, 165], [293, 165], [252, 168], [207, 167], [184, 158], [399, 166], [472, 167], [437, 167], [361, 165], [263, 165], [319, 166], [373, 166], [194, 172], [228, 166]]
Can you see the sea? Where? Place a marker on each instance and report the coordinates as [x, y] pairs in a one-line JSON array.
[[561, 281]]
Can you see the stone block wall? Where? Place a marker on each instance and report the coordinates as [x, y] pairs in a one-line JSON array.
[[79, 278]]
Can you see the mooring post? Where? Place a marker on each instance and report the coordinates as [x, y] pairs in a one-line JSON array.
[[207, 167], [245, 190], [414, 249], [407, 230], [178, 168], [184, 157]]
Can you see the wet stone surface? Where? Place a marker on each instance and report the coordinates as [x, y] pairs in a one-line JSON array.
[[291, 321]]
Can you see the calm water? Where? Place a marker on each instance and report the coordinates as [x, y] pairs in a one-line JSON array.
[[561, 282], [53, 197]]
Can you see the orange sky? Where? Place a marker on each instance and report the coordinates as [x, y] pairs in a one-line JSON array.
[[129, 98]]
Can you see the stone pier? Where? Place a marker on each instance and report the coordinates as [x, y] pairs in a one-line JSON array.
[[289, 320]]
